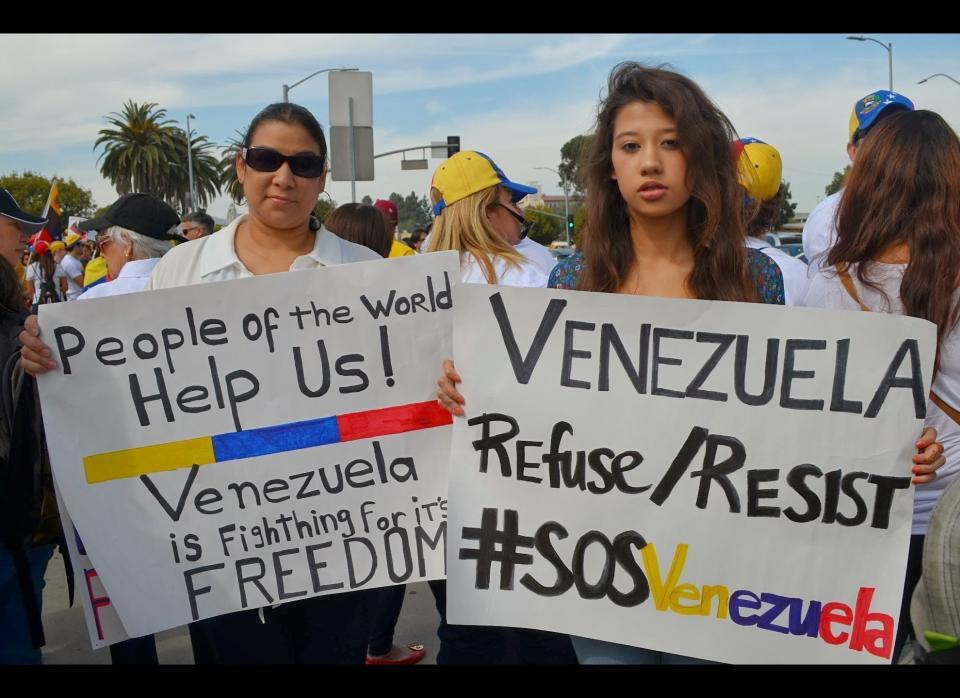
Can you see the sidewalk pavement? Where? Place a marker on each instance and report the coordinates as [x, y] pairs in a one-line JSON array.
[[68, 642]]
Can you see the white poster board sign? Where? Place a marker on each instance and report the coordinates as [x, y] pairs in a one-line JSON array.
[[720, 480], [255, 441]]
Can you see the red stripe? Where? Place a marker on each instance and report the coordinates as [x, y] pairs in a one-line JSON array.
[[392, 420]]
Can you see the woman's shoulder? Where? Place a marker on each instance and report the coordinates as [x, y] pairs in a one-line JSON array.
[[567, 271], [767, 275]]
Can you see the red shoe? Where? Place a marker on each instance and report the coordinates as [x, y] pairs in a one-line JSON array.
[[417, 653]]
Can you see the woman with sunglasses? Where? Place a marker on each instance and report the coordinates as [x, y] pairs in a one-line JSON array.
[[476, 214], [282, 168]]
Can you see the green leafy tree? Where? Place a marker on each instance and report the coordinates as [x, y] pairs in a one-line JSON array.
[[546, 227], [579, 221], [571, 155], [325, 206], [31, 191], [139, 149], [229, 183], [412, 211], [839, 179], [787, 207]]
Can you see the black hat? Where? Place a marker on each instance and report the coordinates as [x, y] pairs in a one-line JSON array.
[[141, 213], [10, 209]]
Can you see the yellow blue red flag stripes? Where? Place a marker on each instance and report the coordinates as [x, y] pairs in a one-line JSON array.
[[292, 436]]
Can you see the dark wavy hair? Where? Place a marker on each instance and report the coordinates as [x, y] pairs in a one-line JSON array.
[[715, 209], [904, 187]]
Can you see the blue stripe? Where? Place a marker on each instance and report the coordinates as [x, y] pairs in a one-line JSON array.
[[276, 439]]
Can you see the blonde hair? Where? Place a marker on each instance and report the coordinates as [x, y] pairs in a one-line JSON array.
[[463, 226]]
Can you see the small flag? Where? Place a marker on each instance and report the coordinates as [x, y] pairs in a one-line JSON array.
[[51, 212]]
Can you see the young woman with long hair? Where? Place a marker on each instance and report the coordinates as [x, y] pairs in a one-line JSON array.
[[898, 251]]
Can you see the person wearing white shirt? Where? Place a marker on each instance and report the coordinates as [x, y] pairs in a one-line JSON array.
[[72, 263], [476, 214], [898, 251], [819, 231], [282, 168], [537, 253]]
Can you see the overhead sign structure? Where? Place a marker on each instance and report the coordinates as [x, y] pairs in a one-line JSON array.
[[351, 126]]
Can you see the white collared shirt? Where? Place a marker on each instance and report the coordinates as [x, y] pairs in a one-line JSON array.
[[133, 277], [214, 258]]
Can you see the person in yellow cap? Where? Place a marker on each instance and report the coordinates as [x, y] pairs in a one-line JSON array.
[[760, 170], [73, 263], [477, 215]]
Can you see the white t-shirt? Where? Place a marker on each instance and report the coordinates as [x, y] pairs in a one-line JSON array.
[[73, 268], [527, 275], [536, 253], [35, 274], [133, 277], [795, 279], [214, 258], [827, 291], [820, 232]]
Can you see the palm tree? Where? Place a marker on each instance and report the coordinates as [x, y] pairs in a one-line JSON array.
[[137, 151], [228, 168], [206, 173]]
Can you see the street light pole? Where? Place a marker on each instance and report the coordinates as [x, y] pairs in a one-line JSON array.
[[942, 75], [191, 204], [889, 48], [566, 203], [287, 88]]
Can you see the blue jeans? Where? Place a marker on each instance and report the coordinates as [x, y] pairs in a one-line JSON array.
[[16, 645], [590, 651]]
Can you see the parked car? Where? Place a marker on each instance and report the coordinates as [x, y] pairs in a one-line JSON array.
[[794, 249], [561, 252], [781, 238]]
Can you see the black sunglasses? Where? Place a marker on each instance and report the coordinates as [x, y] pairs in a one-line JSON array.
[[263, 159], [525, 225]]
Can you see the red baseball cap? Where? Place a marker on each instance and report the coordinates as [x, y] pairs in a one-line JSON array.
[[389, 208]]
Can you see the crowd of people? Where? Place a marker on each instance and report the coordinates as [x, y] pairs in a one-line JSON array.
[[677, 206]]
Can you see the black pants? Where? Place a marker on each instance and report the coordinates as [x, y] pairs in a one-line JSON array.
[[320, 630], [136, 650], [473, 644], [914, 570], [389, 604]]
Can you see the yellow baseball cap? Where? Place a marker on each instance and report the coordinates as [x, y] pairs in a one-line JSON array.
[[468, 172], [759, 168], [71, 238], [56, 245]]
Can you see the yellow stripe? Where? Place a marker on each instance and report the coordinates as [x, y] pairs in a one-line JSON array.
[[132, 462]]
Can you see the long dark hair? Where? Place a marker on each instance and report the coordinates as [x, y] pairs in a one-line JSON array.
[[905, 188], [362, 224], [46, 263], [714, 212]]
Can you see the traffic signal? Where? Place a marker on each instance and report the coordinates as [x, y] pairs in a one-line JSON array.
[[570, 222], [453, 145]]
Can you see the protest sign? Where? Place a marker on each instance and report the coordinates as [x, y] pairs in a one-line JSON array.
[[726, 481], [255, 441]]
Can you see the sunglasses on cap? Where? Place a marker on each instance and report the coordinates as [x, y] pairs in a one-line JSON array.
[[262, 159]]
